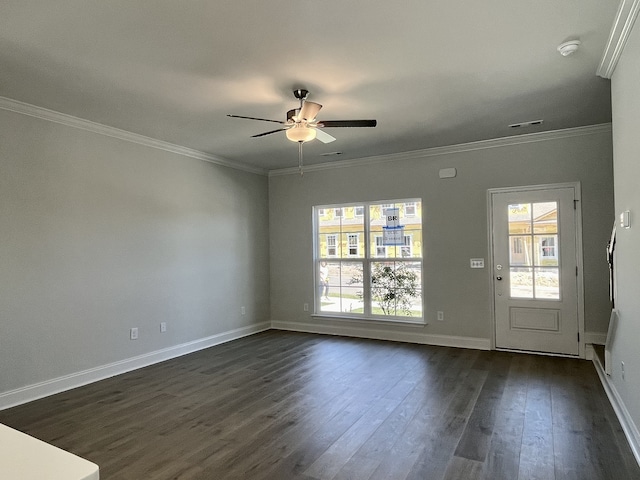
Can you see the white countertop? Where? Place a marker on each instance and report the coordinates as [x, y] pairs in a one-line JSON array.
[[23, 457]]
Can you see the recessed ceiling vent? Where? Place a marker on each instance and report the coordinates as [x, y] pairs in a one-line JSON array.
[[526, 124]]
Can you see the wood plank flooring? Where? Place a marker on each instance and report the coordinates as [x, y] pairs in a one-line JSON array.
[[284, 405]]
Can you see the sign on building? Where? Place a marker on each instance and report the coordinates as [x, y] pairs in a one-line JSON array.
[[393, 233]]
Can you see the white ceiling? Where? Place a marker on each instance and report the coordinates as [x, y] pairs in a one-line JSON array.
[[433, 73]]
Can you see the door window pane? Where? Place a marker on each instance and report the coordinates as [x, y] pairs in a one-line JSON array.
[[519, 218], [545, 217], [533, 243], [547, 283], [521, 282], [546, 249], [520, 253]]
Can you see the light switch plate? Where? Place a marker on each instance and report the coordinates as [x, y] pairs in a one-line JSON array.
[[477, 263], [625, 219]]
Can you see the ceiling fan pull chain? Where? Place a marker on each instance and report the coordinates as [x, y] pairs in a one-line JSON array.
[[300, 158]]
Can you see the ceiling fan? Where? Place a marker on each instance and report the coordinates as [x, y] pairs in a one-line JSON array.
[[302, 126]]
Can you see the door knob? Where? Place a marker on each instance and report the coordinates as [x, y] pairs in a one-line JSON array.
[[498, 277]]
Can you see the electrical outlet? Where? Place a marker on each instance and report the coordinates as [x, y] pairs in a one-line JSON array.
[[622, 369], [441, 316], [305, 307], [163, 327], [133, 334], [242, 310]]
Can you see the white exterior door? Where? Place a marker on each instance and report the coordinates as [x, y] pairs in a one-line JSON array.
[[535, 269]]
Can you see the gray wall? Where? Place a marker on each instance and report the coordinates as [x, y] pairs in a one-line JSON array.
[[626, 143], [98, 235], [455, 226]]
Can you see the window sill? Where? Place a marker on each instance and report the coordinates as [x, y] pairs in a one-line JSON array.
[[415, 322]]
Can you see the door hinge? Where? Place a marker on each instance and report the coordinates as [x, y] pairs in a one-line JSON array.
[[575, 204], [578, 337], [576, 271]]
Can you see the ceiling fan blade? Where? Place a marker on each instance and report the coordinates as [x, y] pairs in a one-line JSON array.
[[347, 123], [254, 118], [324, 137], [268, 133], [309, 111]]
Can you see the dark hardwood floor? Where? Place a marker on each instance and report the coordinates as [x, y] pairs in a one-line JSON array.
[[282, 405]]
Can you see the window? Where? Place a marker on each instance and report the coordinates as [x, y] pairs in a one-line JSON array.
[[406, 247], [549, 247], [366, 269], [381, 250], [410, 209], [517, 245], [353, 244], [332, 242], [533, 256]]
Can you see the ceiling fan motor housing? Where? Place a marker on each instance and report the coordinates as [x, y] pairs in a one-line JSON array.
[[300, 93]]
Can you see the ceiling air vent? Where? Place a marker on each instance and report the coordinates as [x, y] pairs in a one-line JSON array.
[[526, 124]]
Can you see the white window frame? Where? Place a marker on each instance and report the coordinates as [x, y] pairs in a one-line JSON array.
[[367, 258]]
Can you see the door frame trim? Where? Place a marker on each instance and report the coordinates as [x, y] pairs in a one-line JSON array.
[[579, 255]]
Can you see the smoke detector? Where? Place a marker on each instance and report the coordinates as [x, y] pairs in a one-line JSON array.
[[567, 48]]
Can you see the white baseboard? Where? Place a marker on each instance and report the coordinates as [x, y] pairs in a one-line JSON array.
[[591, 339], [595, 338], [74, 380], [628, 426], [589, 353], [409, 337]]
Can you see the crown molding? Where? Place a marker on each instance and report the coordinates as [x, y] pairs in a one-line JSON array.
[[100, 129], [622, 26], [452, 149], [82, 124]]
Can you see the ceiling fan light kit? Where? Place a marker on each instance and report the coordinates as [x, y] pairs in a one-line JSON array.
[[301, 133]]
